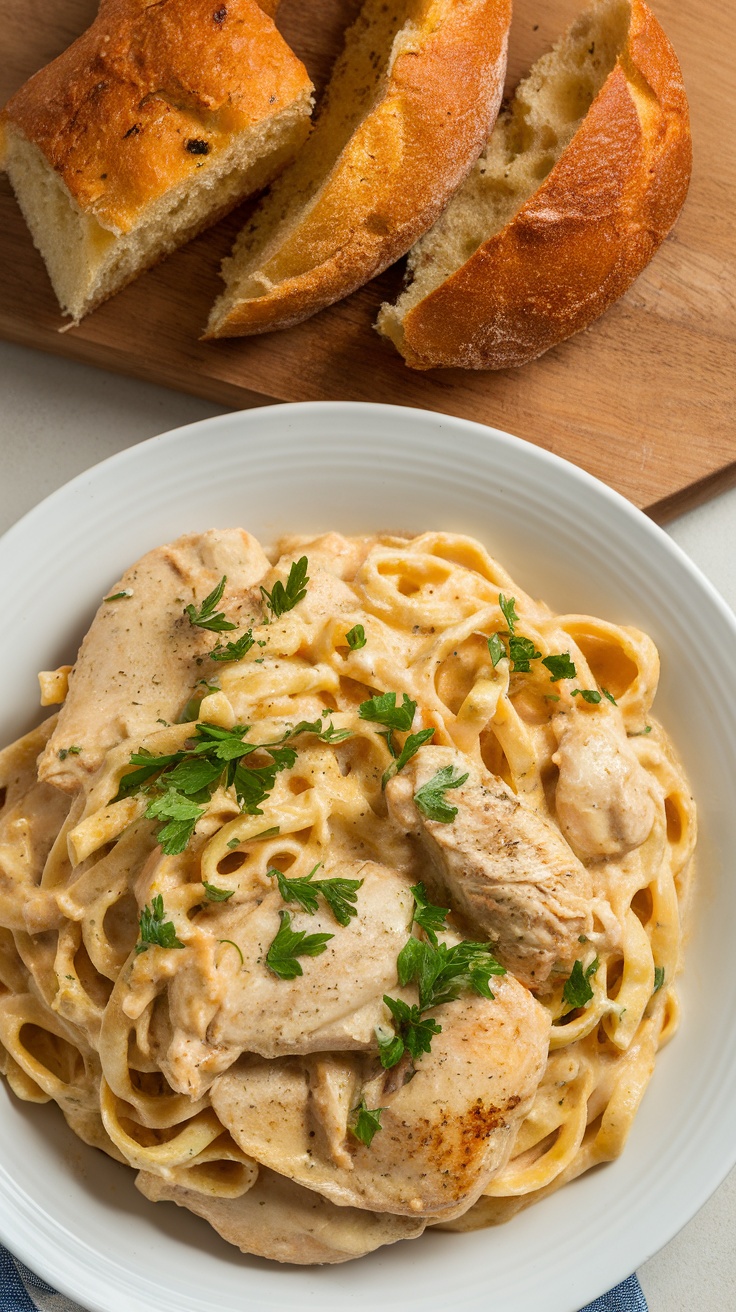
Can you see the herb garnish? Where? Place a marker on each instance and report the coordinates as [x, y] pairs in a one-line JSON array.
[[640, 733], [522, 651], [496, 649], [339, 894], [577, 991], [365, 1122], [429, 917], [410, 748], [155, 931], [233, 651], [430, 798], [560, 667], [609, 695], [356, 639], [509, 612], [205, 617], [590, 695], [285, 597], [441, 975], [658, 979], [382, 709], [215, 894], [120, 596], [289, 944], [69, 751]]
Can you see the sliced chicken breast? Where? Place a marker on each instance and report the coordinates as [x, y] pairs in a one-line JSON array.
[[280, 1220], [142, 657], [603, 797], [506, 871], [446, 1126]]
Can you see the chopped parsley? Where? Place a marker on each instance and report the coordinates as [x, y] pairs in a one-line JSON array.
[[508, 607], [355, 640], [289, 944], [658, 979], [609, 695], [181, 815], [215, 894], [577, 991], [496, 649], [365, 1122], [430, 798], [155, 930], [441, 975], [207, 616], [230, 943], [410, 748], [590, 695], [640, 733], [233, 651], [283, 597], [69, 751], [339, 894], [522, 651], [429, 917], [120, 596], [560, 667], [382, 709]]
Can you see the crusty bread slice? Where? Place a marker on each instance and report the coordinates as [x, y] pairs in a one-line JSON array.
[[409, 104], [157, 121], [580, 182]]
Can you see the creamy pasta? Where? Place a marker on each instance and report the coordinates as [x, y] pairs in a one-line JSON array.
[[343, 895]]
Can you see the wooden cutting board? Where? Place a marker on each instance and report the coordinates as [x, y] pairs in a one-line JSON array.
[[644, 399]]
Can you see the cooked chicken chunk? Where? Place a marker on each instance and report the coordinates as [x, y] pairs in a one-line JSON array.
[[503, 869], [138, 663], [219, 1008], [603, 797], [280, 1220], [446, 1127]]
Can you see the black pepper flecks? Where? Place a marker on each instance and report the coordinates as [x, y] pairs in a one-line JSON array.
[[220, 14], [196, 146], [132, 132]]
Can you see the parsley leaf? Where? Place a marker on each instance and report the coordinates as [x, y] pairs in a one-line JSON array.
[[356, 639], [69, 751], [443, 973], [155, 931], [289, 944], [339, 894], [181, 815], [149, 765], [414, 1035], [590, 695], [496, 649], [509, 612], [205, 617], [429, 917], [577, 991], [233, 651], [214, 894], [382, 709], [430, 797], [365, 1122], [609, 695], [120, 596], [522, 651], [410, 748], [285, 597], [641, 732], [658, 979], [560, 667]]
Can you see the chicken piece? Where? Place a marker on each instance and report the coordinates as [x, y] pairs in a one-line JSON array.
[[138, 663], [506, 871], [445, 1129], [280, 1220], [603, 797], [219, 1008]]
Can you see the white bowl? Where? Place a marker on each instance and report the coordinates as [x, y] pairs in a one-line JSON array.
[[73, 1215]]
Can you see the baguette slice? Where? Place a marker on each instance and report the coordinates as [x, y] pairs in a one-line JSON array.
[[579, 184], [410, 102], [155, 122]]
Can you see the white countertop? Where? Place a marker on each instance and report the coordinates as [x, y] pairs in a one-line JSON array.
[[58, 418]]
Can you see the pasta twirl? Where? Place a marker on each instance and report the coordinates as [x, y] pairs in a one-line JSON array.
[[312, 770]]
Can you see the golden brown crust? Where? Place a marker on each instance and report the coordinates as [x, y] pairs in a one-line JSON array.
[[399, 168], [133, 106], [584, 236]]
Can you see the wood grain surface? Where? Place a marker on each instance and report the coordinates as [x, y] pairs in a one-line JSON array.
[[644, 399]]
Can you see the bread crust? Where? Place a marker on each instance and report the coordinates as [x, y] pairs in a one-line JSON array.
[[399, 168], [583, 237], [133, 106]]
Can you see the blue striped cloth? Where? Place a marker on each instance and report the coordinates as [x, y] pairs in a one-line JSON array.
[[22, 1291]]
